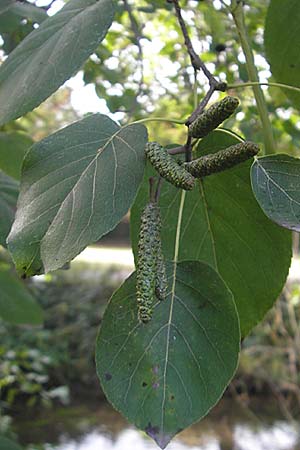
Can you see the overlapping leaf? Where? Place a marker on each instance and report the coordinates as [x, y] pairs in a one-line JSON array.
[[276, 185], [76, 186], [51, 54], [167, 374], [16, 303], [9, 190], [224, 226], [13, 146], [283, 45]]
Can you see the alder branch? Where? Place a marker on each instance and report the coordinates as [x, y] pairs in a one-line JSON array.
[[198, 64]]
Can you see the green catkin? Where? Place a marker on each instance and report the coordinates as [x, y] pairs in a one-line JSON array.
[[161, 283], [213, 117], [168, 168], [222, 160], [148, 247]]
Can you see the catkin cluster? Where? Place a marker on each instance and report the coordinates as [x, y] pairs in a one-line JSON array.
[[168, 168], [151, 278], [213, 117]]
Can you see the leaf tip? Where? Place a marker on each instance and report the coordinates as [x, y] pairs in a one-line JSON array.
[[158, 436]]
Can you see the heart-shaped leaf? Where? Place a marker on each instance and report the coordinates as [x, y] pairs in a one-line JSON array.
[[167, 374], [76, 186], [224, 226], [51, 54], [9, 190], [16, 303], [276, 186], [282, 46]]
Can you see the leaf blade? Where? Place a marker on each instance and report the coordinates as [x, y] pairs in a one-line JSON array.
[[276, 188], [77, 184], [223, 226], [50, 55], [17, 305], [9, 190], [282, 49], [168, 378]]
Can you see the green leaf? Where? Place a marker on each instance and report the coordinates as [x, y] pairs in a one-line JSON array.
[[7, 444], [282, 45], [31, 12], [76, 186], [224, 226], [9, 190], [17, 305], [167, 374], [275, 183], [5, 5], [51, 54], [13, 146]]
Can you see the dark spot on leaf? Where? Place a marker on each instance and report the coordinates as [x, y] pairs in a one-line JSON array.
[[292, 66], [23, 276], [144, 384], [152, 431], [172, 397], [107, 376]]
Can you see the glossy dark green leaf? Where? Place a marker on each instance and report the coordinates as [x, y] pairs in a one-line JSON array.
[[224, 226], [76, 186], [16, 303], [283, 45], [7, 444], [167, 374], [13, 146], [51, 54], [276, 186], [9, 190]]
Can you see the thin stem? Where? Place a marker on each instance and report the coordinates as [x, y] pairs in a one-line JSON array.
[[199, 109], [238, 17], [159, 119], [178, 228], [177, 150], [158, 188], [257, 83], [152, 190], [196, 61]]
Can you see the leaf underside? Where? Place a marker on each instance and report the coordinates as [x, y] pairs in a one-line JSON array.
[[275, 183], [76, 186]]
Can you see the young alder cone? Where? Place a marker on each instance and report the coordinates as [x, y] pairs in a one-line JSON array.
[[213, 117], [222, 160], [150, 275], [168, 168]]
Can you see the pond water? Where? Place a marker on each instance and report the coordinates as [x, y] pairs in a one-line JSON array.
[[230, 426]]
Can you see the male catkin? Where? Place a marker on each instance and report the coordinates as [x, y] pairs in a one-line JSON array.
[[148, 247], [222, 160], [213, 117], [168, 168]]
